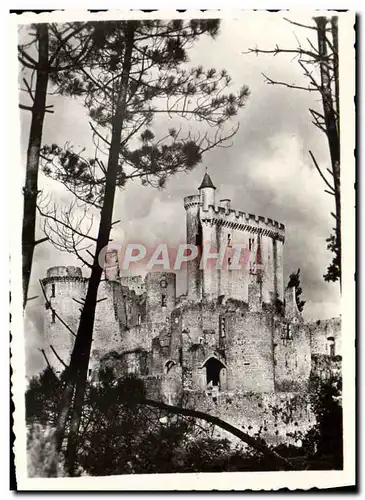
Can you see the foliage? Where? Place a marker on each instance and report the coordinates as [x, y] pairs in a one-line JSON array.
[[42, 456], [294, 280], [334, 269], [118, 436], [42, 397], [160, 84], [325, 439]]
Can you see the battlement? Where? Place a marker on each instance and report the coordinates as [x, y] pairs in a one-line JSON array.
[[244, 221], [64, 271], [191, 201], [64, 274]]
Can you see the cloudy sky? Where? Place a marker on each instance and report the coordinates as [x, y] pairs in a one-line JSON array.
[[266, 171]]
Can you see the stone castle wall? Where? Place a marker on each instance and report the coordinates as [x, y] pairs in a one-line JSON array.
[[249, 352], [220, 227], [226, 348]]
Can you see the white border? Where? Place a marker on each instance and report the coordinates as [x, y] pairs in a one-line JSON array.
[[206, 481]]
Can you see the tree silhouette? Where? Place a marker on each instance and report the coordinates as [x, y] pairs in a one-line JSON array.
[[48, 41], [319, 61], [294, 281], [141, 74]]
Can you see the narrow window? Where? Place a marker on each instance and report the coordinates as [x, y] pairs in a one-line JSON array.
[[139, 319], [53, 316], [250, 241], [289, 334], [163, 300], [53, 290], [229, 240], [222, 326], [331, 346]]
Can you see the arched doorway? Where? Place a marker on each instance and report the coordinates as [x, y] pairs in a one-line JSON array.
[[214, 371], [168, 365]]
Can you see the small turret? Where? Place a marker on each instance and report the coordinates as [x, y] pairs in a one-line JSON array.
[[207, 192]]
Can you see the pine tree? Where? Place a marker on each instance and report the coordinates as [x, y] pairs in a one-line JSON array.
[[48, 41], [141, 74]]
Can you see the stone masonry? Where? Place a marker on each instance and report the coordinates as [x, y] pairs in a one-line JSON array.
[[235, 345]]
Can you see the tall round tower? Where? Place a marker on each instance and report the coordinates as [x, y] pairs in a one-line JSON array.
[[194, 236], [65, 288]]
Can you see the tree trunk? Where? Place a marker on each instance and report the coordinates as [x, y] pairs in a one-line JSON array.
[[34, 145], [331, 113], [81, 353]]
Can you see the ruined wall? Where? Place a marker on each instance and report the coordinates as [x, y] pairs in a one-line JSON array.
[[118, 309], [160, 296], [321, 334], [134, 283], [276, 417], [292, 349], [292, 355], [249, 352]]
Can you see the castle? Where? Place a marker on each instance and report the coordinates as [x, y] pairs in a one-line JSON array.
[[235, 344]]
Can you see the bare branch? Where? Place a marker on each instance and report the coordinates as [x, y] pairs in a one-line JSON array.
[[29, 90], [45, 357], [41, 240], [270, 81], [320, 172], [58, 357], [300, 25], [49, 306], [26, 108]]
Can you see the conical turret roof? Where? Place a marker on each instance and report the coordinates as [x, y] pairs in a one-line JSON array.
[[207, 182]]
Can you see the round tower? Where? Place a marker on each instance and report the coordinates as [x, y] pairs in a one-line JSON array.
[[64, 288], [194, 236]]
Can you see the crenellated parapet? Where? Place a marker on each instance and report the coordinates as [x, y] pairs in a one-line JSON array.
[[192, 201], [64, 279], [64, 274], [243, 221]]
